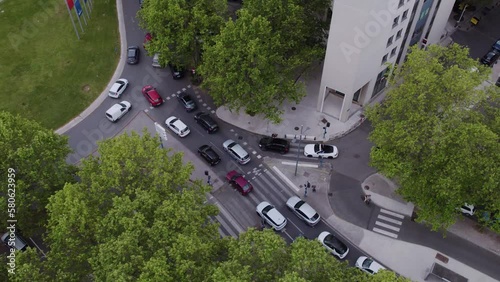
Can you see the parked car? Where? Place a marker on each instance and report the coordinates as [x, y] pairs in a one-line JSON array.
[[303, 210], [206, 122], [133, 55], [209, 154], [496, 45], [490, 58], [468, 209], [274, 144], [498, 82], [152, 95], [14, 240], [177, 71], [177, 126], [271, 215], [186, 101], [321, 150], [117, 111], [117, 88], [236, 151], [239, 182], [156, 61], [333, 245], [147, 38], [368, 265]]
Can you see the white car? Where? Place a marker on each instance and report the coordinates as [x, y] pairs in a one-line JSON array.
[[117, 111], [303, 210], [321, 151], [177, 126], [117, 88], [333, 245], [271, 215], [468, 209], [368, 265]]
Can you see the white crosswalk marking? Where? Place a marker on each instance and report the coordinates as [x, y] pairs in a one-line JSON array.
[[388, 223]]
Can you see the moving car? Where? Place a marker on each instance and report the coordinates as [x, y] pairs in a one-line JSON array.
[[368, 265], [133, 55], [14, 240], [117, 111], [186, 101], [117, 88], [177, 72], [152, 95], [177, 126], [239, 182], [333, 245], [209, 154], [236, 151], [274, 144], [303, 210], [468, 209], [271, 215], [206, 122], [496, 45], [490, 58], [321, 151]]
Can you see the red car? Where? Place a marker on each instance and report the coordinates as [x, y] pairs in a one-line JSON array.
[[148, 37], [152, 95], [239, 182]]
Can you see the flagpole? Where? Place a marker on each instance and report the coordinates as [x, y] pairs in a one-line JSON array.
[[87, 9], [72, 21], [91, 5], [79, 21], [88, 2]]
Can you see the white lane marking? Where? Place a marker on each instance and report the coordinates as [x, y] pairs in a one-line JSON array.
[[390, 234], [394, 228], [245, 143], [385, 218], [204, 104], [208, 108], [226, 226], [392, 213], [291, 238], [289, 221], [288, 181], [213, 112], [229, 217], [259, 157], [254, 152], [301, 164]]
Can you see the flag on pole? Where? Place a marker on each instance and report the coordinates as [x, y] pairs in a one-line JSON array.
[[78, 7], [70, 4]]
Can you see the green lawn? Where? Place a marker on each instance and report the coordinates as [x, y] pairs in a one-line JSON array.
[[47, 74]]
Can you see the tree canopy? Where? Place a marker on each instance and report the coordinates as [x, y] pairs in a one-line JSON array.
[[181, 28], [38, 158], [437, 134], [255, 62]]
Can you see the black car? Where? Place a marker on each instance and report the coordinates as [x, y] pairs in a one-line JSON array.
[[209, 154], [177, 71], [491, 57], [186, 101], [206, 121], [133, 55], [498, 82], [274, 144]]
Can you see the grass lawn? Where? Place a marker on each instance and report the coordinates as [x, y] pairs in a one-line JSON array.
[[47, 74]]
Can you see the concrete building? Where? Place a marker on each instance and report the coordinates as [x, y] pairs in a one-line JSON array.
[[365, 37]]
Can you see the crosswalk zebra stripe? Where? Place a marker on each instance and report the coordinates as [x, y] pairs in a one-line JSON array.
[[280, 183], [290, 183], [262, 186], [387, 233], [385, 218], [271, 187], [392, 213], [226, 226], [387, 226], [229, 217]]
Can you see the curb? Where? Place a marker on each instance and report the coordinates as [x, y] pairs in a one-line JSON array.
[[119, 69]]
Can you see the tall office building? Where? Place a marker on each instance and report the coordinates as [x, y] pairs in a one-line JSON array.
[[367, 35]]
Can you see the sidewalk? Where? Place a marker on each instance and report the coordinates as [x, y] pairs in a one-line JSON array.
[[410, 260]]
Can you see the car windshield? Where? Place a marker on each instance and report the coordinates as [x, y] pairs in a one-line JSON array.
[[131, 52], [173, 121], [246, 187], [328, 149], [299, 204], [231, 145], [334, 243], [123, 104], [367, 263], [268, 208]]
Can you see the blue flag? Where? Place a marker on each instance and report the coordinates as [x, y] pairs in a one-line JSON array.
[[78, 8]]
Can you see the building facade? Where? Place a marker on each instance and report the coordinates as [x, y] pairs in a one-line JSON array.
[[366, 36]]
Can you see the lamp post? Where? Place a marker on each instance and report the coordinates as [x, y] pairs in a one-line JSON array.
[[298, 151], [461, 15]]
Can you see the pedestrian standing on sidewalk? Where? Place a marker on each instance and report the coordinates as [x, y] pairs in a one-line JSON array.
[[305, 191]]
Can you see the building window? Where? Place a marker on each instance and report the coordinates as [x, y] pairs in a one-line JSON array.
[[389, 42], [395, 22], [398, 35], [393, 52], [401, 3], [384, 59], [405, 15]]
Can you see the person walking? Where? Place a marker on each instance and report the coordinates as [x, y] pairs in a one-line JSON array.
[[305, 191], [367, 199]]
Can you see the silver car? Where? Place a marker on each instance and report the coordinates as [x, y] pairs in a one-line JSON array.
[[236, 151], [271, 215], [303, 210]]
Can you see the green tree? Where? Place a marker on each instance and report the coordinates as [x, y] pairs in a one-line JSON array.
[[257, 60], [38, 158], [28, 267], [431, 136], [130, 216], [181, 28]]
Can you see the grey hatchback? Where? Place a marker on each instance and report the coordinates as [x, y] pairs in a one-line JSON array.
[[186, 101]]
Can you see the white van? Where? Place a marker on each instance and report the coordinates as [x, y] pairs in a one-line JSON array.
[[19, 243], [118, 110]]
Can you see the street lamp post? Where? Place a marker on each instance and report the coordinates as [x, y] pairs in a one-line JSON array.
[[298, 151]]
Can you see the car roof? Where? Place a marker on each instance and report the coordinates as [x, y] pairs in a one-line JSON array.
[[241, 181], [307, 210], [276, 216], [177, 123]]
